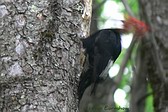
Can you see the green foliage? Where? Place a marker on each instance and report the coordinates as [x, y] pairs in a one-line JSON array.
[[149, 101], [120, 109], [95, 108], [127, 77], [99, 10], [133, 5]]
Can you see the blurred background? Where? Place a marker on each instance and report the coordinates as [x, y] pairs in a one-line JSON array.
[[111, 97]]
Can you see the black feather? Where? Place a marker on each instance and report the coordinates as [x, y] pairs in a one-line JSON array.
[[101, 47]]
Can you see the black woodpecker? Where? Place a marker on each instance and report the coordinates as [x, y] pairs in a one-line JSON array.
[[101, 50]]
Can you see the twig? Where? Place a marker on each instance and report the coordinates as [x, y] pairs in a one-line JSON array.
[[125, 60], [128, 9], [144, 97]]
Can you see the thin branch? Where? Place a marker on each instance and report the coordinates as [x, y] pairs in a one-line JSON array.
[[125, 60], [128, 9], [144, 97], [129, 51], [154, 43]]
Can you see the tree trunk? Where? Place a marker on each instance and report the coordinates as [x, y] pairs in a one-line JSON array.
[[155, 47], [40, 54], [139, 83], [93, 25]]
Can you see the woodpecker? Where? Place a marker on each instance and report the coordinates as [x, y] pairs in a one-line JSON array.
[[101, 50]]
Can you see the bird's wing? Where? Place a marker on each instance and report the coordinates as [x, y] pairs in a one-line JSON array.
[[104, 74]]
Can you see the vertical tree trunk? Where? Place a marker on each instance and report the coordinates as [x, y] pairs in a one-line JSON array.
[[93, 25], [139, 83], [40, 54], [155, 47]]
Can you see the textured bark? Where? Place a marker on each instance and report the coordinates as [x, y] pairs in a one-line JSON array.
[[155, 46], [40, 54], [139, 83]]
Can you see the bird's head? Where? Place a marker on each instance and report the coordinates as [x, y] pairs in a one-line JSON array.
[[135, 26]]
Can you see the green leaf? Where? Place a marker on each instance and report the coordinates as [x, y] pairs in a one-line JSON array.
[[149, 101]]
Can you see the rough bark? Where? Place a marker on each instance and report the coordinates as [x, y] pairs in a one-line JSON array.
[[155, 46], [40, 54], [139, 83]]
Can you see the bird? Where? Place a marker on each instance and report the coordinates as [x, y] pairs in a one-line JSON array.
[[102, 48]]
